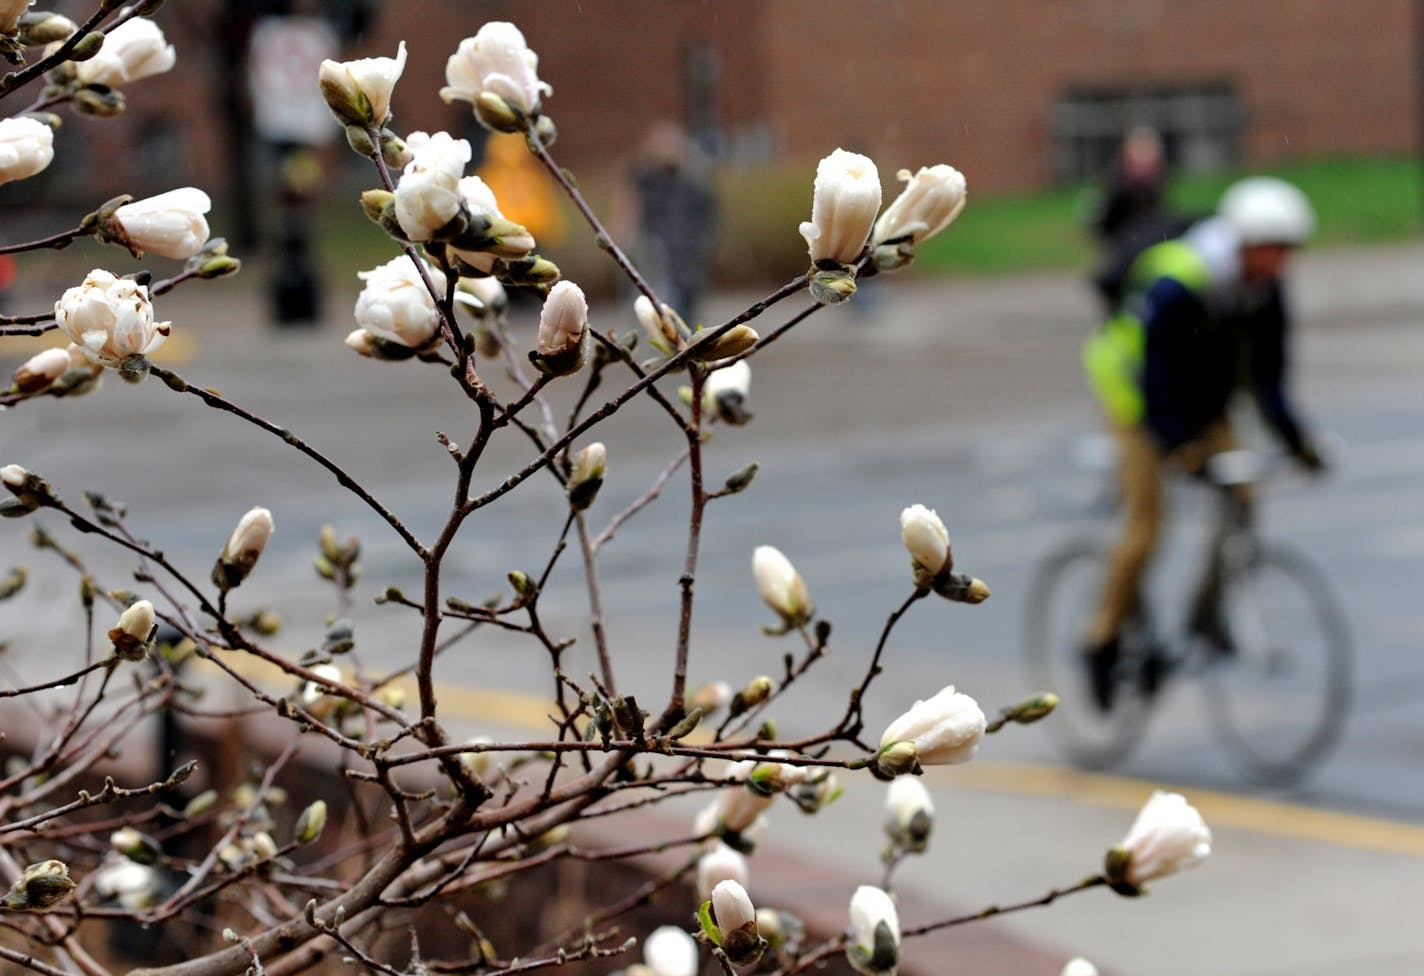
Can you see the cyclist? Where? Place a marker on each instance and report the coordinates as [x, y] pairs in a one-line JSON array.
[[1201, 316]]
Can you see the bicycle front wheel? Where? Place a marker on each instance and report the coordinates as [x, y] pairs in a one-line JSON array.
[[1280, 689], [1062, 596]]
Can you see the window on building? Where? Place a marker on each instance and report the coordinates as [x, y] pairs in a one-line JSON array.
[[1200, 126]]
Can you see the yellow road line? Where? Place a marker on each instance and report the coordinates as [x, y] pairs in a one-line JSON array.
[[1258, 814], [1221, 810]]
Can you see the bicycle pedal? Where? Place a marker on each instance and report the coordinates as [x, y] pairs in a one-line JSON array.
[[1153, 672]]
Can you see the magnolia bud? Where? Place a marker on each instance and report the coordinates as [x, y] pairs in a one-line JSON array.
[[757, 690], [43, 27], [135, 846], [563, 330], [832, 287], [263, 845], [927, 541], [734, 341], [909, 814], [41, 370], [218, 267], [1168, 836], [712, 696], [131, 634], [40, 887], [781, 587], [358, 137], [669, 951], [1032, 709], [311, 823], [496, 113], [87, 47], [587, 477], [732, 923], [243, 547], [14, 582], [200, 804], [101, 103], [873, 947]]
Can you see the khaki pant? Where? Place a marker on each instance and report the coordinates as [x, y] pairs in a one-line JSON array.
[[1142, 472]]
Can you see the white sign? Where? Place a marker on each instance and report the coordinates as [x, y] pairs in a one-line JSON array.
[[283, 60]]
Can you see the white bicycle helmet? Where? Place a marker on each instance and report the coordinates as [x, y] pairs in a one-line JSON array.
[[1265, 210]]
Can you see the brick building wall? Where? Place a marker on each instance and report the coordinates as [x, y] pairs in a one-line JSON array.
[[911, 81]]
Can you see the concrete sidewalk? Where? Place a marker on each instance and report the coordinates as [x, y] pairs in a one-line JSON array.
[[1288, 889]]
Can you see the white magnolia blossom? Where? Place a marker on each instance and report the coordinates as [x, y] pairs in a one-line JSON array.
[[133, 50], [780, 585], [110, 318], [133, 886], [314, 697], [496, 60], [943, 730], [720, 864], [669, 951], [10, 11], [732, 907], [874, 946], [26, 147], [428, 194], [13, 476], [734, 380], [738, 809], [658, 324], [1078, 966], [171, 224], [1168, 836], [248, 539], [137, 621], [926, 538], [590, 462], [41, 370], [843, 207], [395, 305], [509, 240], [909, 813], [359, 92], [932, 198], [711, 697], [485, 295], [563, 321]]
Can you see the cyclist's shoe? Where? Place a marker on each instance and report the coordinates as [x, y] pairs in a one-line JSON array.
[[1212, 629], [1101, 663], [1157, 664]]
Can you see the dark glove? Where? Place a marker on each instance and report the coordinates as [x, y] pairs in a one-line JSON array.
[[1309, 458]]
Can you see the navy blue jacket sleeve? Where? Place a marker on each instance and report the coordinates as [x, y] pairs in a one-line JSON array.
[[1173, 318], [1268, 366]]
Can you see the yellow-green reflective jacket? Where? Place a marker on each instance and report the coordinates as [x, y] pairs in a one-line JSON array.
[[1114, 354]]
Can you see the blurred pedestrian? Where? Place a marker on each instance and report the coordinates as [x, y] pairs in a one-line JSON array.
[[1132, 214], [670, 212], [1201, 317]]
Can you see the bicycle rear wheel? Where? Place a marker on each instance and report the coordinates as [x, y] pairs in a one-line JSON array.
[[1280, 692], [1062, 596]]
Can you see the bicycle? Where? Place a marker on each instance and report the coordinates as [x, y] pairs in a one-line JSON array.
[[1275, 660]]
